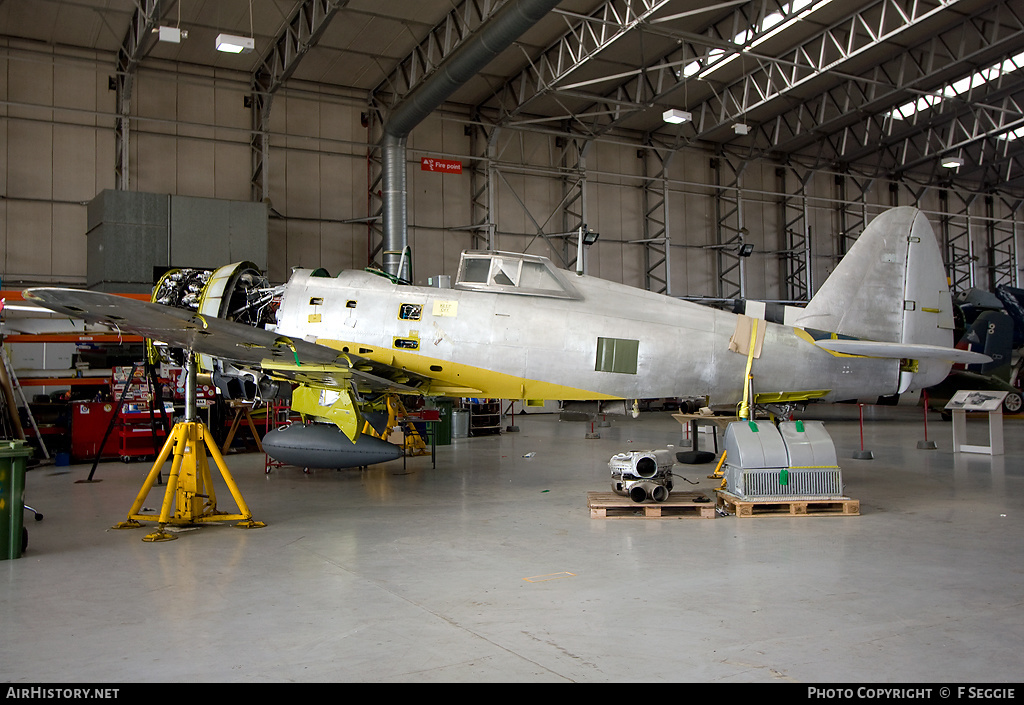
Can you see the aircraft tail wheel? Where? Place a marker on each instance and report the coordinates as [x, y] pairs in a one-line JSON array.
[[1012, 403]]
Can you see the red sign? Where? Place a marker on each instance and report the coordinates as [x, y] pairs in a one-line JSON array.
[[447, 166]]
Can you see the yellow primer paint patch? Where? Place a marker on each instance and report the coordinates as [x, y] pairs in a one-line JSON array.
[[456, 379], [336, 406], [801, 333], [549, 576], [785, 397]]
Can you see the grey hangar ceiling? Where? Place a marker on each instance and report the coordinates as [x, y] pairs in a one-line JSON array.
[[884, 88]]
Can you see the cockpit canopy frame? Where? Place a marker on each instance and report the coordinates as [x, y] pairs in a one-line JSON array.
[[513, 273]]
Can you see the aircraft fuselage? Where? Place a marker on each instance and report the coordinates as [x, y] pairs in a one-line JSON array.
[[610, 341]]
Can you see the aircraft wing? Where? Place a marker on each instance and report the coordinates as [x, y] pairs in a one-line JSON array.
[[918, 351], [277, 355]]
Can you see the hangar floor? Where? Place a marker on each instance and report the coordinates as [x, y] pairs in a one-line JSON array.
[[490, 568]]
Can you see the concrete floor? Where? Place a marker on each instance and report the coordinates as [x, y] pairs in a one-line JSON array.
[[489, 568]]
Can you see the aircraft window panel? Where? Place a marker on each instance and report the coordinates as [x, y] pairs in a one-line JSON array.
[[501, 278], [505, 272], [536, 276], [476, 270], [617, 355]]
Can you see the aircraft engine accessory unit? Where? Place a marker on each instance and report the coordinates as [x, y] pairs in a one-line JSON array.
[[795, 459], [642, 475], [319, 445]]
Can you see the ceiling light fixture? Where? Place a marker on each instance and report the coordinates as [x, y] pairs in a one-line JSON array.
[[952, 162], [173, 35], [676, 117], [233, 44]]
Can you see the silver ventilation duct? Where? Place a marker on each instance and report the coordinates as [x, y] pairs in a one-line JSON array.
[[507, 25]]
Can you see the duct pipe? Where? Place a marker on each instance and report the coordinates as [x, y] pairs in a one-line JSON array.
[[505, 27], [642, 491]]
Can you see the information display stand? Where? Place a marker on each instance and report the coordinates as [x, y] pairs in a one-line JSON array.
[[979, 401]]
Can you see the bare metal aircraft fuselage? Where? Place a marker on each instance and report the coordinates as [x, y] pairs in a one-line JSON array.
[[515, 327], [607, 341]]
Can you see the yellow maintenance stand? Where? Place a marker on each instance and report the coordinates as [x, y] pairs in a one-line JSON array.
[[189, 498]]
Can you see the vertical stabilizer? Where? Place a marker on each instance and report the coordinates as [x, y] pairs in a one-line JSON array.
[[891, 287]]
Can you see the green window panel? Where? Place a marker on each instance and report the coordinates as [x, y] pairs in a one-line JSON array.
[[617, 355]]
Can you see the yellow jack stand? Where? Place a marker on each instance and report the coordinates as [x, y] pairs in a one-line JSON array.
[[189, 486]]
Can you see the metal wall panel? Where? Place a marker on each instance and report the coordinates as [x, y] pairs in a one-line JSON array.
[[74, 163], [29, 160], [70, 245], [196, 175], [29, 238], [130, 233], [208, 232]]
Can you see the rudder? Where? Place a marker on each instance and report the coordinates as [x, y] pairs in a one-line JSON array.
[[891, 287]]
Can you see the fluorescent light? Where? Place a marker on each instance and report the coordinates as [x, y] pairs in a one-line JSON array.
[[675, 116], [716, 61], [952, 162], [234, 44]]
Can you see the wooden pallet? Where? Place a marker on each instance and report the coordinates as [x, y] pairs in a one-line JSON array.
[[843, 506], [679, 505]]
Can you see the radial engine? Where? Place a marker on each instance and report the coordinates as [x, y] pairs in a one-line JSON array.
[[237, 292]]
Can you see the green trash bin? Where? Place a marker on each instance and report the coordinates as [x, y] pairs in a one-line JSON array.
[[13, 455], [443, 428]]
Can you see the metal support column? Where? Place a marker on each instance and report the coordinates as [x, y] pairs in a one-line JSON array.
[[729, 227], [303, 30], [373, 122], [1001, 241], [795, 256], [955, 226], [134, 47], [851, 209], [259, 142], [657, 240], [482, 186], [573, 159]]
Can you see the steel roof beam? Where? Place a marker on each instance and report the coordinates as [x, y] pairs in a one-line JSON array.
[[303, 31], [585, 37], [855, 36], [855, 113], [450, 33]]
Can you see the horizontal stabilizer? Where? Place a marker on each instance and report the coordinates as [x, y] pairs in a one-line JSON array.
[[910, 351]]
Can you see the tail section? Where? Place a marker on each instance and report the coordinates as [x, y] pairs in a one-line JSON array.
[[891, 286], [890, 289]]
